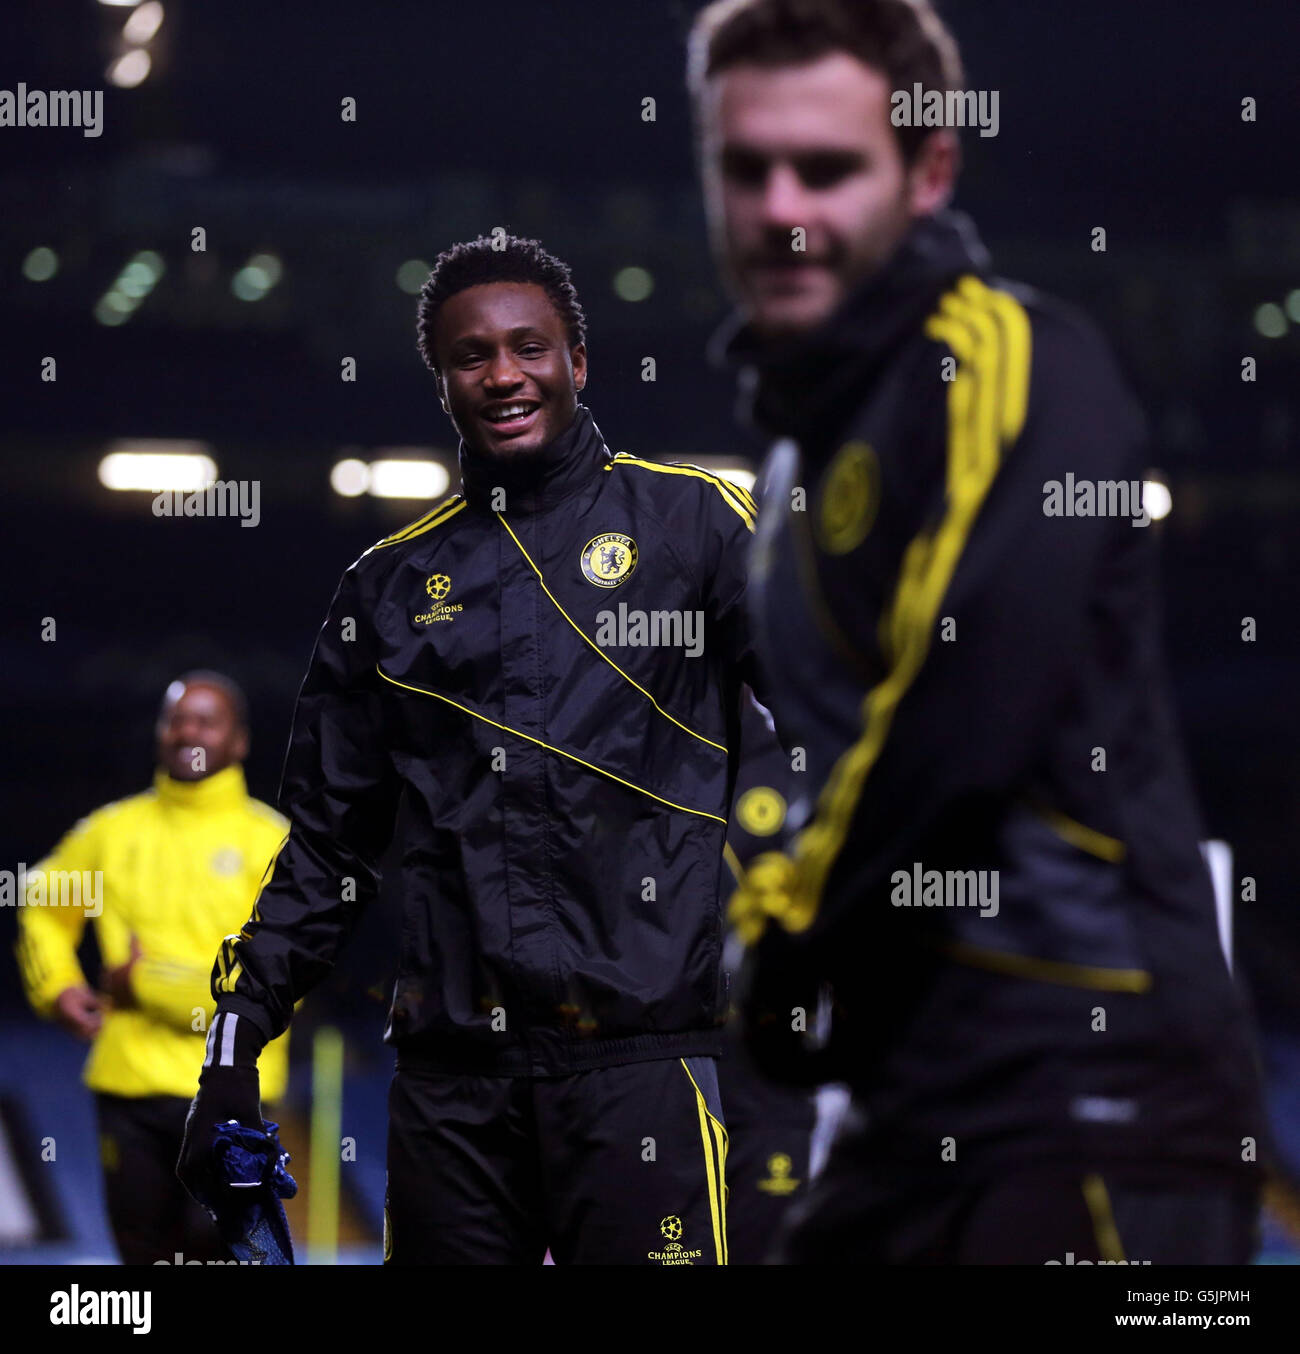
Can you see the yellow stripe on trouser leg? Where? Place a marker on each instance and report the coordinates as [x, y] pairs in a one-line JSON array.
[[714, 1173], [720, 1139]]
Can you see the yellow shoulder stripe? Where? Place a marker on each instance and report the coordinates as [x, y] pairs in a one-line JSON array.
[[989, 334], [739, 500], [445, 510]]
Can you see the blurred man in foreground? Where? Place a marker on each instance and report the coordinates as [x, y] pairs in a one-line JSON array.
[[1001, 878], [164, 875]]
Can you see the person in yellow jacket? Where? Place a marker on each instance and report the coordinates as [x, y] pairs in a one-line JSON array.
[[164, 875]]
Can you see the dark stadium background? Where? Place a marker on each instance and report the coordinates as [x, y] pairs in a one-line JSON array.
[[528, 116]]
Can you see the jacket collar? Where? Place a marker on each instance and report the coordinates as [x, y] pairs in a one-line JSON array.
[[221, 790], [541, 478], [812, 384]]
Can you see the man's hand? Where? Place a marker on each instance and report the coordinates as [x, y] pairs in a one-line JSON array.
[[228, 1089], [115, 982], [777, 993], [79, 1011]]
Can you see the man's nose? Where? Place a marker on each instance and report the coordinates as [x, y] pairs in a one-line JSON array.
[[785, 203], [503, 370]]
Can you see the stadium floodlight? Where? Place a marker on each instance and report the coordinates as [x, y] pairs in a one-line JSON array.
[[412, 274], [130, 287], [1156, 499], [250, 284], [350, 477], [144, 22], [1270, 320], [130, 69], [155, 464], [633, 284], [256, 277], [406, 477], [41, 264]]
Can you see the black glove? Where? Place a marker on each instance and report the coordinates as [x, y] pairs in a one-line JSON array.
[[779, 984], [778, 993], [228, 1089]]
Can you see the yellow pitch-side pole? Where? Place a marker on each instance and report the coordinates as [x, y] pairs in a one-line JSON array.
[[326, 1133]]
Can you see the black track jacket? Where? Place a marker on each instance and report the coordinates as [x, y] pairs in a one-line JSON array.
[[970, 655], [564, 800]]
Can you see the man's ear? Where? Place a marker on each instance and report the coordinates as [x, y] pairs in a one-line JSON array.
[[933, 175], [442, 391], [241, 746], [578, 359]]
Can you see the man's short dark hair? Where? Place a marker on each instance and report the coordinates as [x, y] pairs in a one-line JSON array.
[[904, 39], [475, 262], [230, 688]]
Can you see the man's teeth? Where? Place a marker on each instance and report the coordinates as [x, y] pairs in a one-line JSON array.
[[510, 411]]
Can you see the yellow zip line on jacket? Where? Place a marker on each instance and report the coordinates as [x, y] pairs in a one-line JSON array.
[[549, 747], [596, 648]]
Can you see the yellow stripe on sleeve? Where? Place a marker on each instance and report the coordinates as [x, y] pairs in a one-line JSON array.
[[989, 334]]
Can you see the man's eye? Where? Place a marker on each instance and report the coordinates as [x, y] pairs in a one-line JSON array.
[[532, 349], [748, 170], [825, 172]]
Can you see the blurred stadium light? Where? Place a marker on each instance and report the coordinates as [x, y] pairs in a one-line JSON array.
[[156, 465]]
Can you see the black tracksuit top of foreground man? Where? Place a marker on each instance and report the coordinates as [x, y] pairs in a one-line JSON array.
[[956, 664], [562, 863]]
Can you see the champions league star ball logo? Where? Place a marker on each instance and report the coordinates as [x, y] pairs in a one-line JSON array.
[[438, 586], [674, 1253], [779, 1179]]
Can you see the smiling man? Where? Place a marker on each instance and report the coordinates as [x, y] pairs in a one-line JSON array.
[[557, 1007], [179, 865]]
